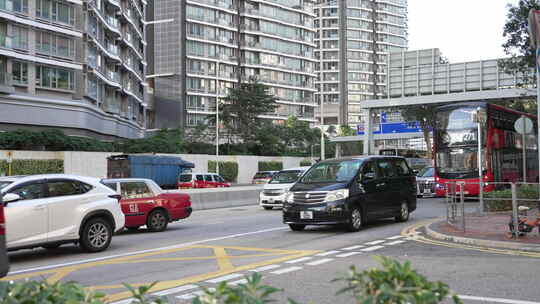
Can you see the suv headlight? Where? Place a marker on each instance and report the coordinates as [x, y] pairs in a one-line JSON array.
[[336, 195], [289, 197]]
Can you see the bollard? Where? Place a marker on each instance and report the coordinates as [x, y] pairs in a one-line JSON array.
[[462, 201], [514, 210]]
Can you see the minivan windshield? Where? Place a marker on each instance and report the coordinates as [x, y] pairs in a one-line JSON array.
[[286, 177], [338, 171], [4, 184], [184, 178], [426, 172]]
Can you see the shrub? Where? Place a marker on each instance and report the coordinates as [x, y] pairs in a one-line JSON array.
[[305, 162], [229, 169], [395, 283], [34, 292], [270, 166], [33, 166], [501, 200]]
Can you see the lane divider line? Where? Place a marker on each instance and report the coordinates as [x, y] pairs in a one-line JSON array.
[[327, 253], [264, 268], [299, 260], [174, 290], [348, 254], [395, 242], [375, 242], [319, 262], [286, 270], [495, 300], [225, 278], [190, 296], [395, 237], [242, 281], [353, 247], [372, 248]]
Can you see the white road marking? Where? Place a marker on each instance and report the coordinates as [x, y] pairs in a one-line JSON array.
[[495, 300], [327, 253], [286, 270], [126, 301], [264, 268], [225, 278], [348, 254], [190, 296], [395, 237], [352, 247], [174, 290], [299, 260], [395, 242], [372, 248], [242, 281], [376, 242], [319, 262], [232, 236]]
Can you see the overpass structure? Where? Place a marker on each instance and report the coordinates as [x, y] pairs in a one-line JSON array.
[[422, 78]]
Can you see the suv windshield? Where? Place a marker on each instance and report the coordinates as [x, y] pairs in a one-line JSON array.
[[426, 172], [184, 178], [339, 171], [4, 184], [285, 177]]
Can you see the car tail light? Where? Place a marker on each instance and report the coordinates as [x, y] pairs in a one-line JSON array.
[[193, 184], [116, 196]]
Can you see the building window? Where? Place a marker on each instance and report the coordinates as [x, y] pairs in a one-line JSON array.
[[55, 45], [20, 6], [20, 72], [57, 11], [55, 78], [20, 37]]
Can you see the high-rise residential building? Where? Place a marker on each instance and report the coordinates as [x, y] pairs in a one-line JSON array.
[[212, 45], [74, 65], [354, 38]]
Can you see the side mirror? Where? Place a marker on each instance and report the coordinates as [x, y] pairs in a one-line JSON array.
[[11, 197], [415, 172], [368, 176]]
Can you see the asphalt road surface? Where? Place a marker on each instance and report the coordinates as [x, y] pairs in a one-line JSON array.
[[227, 244]]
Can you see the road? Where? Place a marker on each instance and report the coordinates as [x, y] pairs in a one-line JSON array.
[[225, 244]]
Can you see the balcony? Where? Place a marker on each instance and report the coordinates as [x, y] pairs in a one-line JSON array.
[[5, 84]]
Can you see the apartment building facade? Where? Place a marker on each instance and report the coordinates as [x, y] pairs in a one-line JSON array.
[[212, 45], [74, 65], [353, 41]]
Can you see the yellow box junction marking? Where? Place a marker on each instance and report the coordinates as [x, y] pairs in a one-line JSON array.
[[221, 256]]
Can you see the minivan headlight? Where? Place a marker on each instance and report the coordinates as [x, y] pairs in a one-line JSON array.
[[336, 195], [289, 197]]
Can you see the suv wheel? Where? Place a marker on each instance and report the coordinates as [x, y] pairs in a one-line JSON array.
[[355, 220], [157, 221], [403, 212], [297, 227], [96, 235]]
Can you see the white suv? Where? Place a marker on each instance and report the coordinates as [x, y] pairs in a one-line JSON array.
[[53, 209]]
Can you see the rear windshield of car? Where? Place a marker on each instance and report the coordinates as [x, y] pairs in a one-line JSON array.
[[110, 185], [285, 177], [4, 184], [263, 175], [427, 172], [184, 178]]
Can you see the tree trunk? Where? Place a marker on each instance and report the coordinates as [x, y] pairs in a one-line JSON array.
[[427, 139]]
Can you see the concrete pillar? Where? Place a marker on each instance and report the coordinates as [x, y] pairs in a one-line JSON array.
[[368, 131]]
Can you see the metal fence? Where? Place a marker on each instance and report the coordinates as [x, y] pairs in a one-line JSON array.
[[507, 205]]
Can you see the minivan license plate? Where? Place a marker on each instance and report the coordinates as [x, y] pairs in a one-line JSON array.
[[306, 215]]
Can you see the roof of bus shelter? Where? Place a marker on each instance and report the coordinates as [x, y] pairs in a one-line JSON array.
[[487, 95]]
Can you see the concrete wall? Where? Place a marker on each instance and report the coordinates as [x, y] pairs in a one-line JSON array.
[[203, 199], [95, 163]]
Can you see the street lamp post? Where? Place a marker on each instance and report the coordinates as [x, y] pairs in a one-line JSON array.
[[217, 116]]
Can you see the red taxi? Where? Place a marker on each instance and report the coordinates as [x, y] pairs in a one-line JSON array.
[[144, 203], [201, 180]]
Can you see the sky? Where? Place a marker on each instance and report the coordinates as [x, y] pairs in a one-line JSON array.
[[464, 30]]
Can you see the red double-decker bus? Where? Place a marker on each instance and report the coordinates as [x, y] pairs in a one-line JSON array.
[[456, 147]]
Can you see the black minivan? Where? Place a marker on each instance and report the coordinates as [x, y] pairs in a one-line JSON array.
[[351, 191]]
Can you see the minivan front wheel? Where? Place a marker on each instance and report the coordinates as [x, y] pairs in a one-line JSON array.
[[355, 220], [403, 212]]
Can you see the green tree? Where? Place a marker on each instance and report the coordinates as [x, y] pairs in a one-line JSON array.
[[522, 55], [425, 116], [243, 106]]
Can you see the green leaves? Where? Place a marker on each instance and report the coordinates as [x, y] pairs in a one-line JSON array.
[[34, 292], [270, 166], [395, 283], [228, 170], [32, 166]]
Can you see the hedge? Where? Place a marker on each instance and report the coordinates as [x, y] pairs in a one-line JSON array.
[[270, 166], [229, 169], [32, 166], [501, 200], [305, 163]]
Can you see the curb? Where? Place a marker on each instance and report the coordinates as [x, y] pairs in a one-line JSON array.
[[479, 242]]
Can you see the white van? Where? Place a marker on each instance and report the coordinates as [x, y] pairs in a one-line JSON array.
[[273, 193]]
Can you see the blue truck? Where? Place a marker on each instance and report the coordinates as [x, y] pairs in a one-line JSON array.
[[164, 170]]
